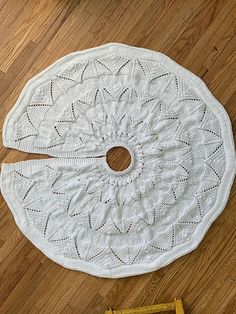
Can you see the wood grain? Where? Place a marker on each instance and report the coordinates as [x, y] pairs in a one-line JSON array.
[[118, 158], [199, 34]]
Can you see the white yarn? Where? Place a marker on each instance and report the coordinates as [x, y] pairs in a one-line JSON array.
[[78, 211]]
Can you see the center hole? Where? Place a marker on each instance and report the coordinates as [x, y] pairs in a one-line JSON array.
[[118, 158]]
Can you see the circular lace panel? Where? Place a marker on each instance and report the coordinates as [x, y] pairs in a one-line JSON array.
[[77, 209]]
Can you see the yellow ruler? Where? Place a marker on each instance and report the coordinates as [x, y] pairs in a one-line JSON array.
[[176, 306]]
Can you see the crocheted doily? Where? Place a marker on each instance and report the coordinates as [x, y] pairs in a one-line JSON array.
[[80, 212]]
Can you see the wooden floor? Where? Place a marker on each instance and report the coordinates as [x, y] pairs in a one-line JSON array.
[[200, 35]]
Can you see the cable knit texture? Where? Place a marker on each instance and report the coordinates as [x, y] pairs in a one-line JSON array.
[[86, 216]]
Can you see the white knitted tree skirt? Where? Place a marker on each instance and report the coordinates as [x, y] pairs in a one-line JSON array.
[[75, 208]]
